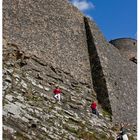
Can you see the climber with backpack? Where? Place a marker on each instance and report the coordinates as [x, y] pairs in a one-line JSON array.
[[57, 92], [122, 134], [94, 108]]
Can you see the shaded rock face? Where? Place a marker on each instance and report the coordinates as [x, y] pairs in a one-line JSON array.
[[48, 43], [116, 73], [127, 48]]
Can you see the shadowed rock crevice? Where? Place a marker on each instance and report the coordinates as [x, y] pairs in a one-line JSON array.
[[99, 82], [133, 59]]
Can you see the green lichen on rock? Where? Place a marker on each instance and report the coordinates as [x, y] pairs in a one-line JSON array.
[[86, 135], [71, 129], [107, 114], [20, 136]]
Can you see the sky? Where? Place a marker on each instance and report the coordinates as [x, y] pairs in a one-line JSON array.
[[115, 18]]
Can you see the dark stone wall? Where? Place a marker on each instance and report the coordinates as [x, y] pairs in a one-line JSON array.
[[127, 47], [118, 77], [51, 30]]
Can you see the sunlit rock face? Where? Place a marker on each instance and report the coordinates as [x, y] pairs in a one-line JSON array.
[[49, 43], [51, 30], [127, 48]]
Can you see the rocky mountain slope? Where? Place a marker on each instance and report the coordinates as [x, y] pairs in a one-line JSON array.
[[31, 112], [46, 44]]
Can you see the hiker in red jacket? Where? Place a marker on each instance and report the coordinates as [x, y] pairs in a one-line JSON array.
[[94, 108], [57, 93]]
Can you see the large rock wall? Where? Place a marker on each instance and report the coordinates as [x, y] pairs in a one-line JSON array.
[[52, 44], [114, 77], [51, 30], [31, 113]]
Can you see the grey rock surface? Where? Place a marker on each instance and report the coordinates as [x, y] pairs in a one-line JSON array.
[[30, 111], [117, 87], [51, 30], [127, 47], [48, 43]]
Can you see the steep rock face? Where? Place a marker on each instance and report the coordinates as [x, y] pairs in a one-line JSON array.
[[52, 30], [31, 113], [117, 73], [48, 43]]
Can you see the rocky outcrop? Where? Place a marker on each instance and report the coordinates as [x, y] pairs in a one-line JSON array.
[[48, 43]]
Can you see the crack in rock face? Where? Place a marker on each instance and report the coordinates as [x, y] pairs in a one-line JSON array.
[[49, 43]]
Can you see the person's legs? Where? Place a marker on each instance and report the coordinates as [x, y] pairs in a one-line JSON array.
[[93, 111], [97, 113], [58, 97]]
